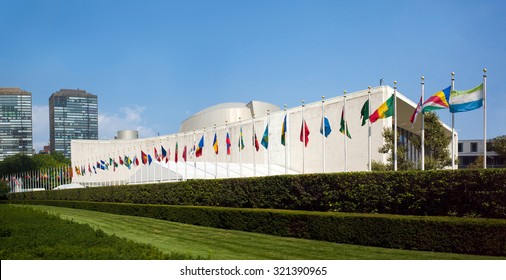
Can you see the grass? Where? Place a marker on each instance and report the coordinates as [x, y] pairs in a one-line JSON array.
[[204, 242], [31, 234]]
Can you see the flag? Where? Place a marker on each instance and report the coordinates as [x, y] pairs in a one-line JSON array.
[[215, 143], [466, 100], [283, 132], [184, 153], [164, 153], [94, 169], [102, 164], [167, 158], [158, 157], [120, 160], [255, 141], [364, 113], [228, 143], [175, 155], [89, 168], [241, 140], [149, 159], [325, 124], [437, 101], [136, 161], [415, 113], [385, 110], [198, 152], [344, 124], [144, 157], [265, 137], [304, 133]]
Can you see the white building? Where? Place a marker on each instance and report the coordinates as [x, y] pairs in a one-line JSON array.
[[321, 154]]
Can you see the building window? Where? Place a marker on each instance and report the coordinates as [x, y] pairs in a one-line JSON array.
[[474, 147], [461, 147]]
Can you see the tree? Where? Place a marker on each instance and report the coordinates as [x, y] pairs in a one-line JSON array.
[[437, 153], [498, 145], [477, 164], [16, 163], [403, 163]]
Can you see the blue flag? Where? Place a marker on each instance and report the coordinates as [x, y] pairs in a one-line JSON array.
[[325, 124]]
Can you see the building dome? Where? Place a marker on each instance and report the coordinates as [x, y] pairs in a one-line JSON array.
[[226, 112]]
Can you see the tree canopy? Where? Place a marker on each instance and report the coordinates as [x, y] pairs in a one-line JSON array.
[[21, 162]]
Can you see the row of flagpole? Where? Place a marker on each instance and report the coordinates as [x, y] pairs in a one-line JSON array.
[[43, 179], [385, 110], [479, 98]]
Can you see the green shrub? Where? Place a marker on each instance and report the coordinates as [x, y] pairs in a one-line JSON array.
[[473, 193], [442, 234]]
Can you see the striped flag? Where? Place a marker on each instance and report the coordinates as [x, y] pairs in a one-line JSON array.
[[415, 113], [228, 143], [466, 100], [437, 101], [385, 110]]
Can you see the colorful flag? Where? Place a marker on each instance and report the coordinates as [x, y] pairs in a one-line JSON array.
[[325, 124], [241, 140], [466, 100], [149, 159], [228, 143], [144, 157], [344, 124], [385, 110], [175, 155], [437, 101], [102, 165], [158, 157], [415, 113], [120, 160], [304, 133], [215, 143], [265, 137], [184, 153], [283, 132], [164, 152], [364, 113], [255, 141], [198, 152], [89, 168], [136, 161]]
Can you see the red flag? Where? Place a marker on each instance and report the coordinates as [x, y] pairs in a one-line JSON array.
[[304, 133], [144, 157], [184, 153], [175, 155], [120, 160]]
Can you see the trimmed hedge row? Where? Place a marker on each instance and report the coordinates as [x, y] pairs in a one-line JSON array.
[[441, 234], [471, 193]]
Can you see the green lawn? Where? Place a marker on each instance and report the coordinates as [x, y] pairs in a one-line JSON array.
[[204, 242]]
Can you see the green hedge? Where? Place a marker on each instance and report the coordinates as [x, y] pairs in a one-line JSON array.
[[441, 234], [471, 193]]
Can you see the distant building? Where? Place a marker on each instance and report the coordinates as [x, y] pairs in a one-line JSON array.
[[73, 114], [16, 122], [470, 150]]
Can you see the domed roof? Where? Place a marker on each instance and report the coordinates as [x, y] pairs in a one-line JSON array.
[[229, 112]]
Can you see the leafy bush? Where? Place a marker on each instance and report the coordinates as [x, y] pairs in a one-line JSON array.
[[473, 193], [31, 234], [442, 234]]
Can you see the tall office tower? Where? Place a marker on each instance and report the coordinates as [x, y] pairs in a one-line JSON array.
[[15, 122], [73, 114]]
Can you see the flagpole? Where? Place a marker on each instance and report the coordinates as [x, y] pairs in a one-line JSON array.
[[453, 124], [215, 155], [239, 146], [485, 118], [226, 145], [286, 143], [176, 154], [254, 147], [186, 156], [369, 136], [423, 125], [205, 155], [395, 125], [268, 150], [323, 134], [303, 141], [194, 156], [345, 135]]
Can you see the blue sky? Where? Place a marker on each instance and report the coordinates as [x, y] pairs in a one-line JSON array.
[[155, 63]]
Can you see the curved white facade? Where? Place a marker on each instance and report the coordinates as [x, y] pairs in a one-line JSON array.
[[334, 153], [227, 113]]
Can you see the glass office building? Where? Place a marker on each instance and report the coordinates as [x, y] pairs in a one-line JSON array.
[[73, 114], [15, 122]]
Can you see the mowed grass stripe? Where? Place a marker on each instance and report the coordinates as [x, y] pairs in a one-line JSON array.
[[198, 241]]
